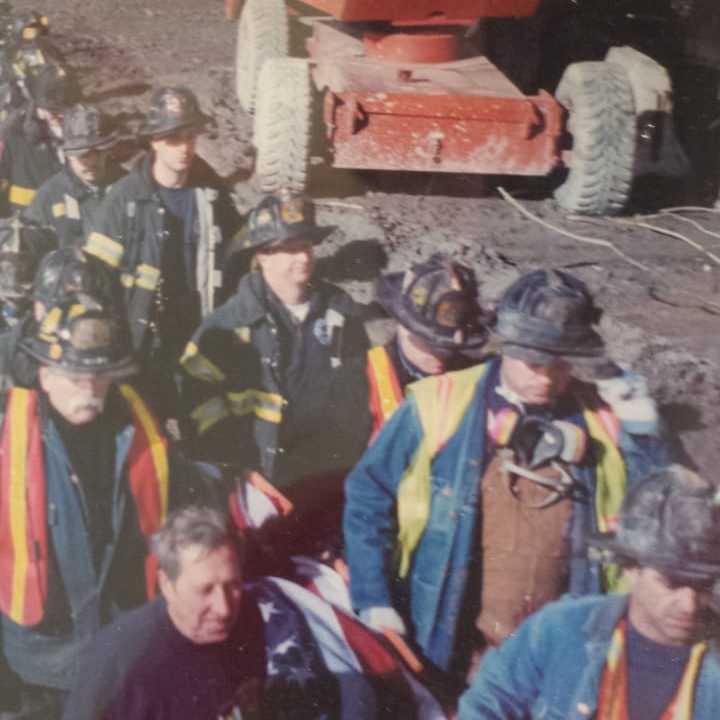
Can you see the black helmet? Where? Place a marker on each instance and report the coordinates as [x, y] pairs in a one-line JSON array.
[[22, 245], [79, 335], [278, 219], [669, 522], [52, 87], [69, 270], [438, 301], [546, 315], [86, 128], [172, 109]]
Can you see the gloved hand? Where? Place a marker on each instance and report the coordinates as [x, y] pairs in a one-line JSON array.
[[627, 395], [383, 618]]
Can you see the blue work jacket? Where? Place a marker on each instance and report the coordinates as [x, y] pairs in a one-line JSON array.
[[552, 666], [431, 597]]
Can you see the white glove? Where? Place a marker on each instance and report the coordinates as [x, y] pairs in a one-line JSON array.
[[627, 395], [383, 618]]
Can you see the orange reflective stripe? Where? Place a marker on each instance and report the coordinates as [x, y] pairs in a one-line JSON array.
[[23, 529], [18, 418], [149, 471], [385, 391]]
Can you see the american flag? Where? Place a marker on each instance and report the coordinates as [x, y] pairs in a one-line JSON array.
[[324, 663]]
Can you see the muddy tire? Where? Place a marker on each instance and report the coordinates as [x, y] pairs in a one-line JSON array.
[[601, 122], [283, 125], [263, 33]]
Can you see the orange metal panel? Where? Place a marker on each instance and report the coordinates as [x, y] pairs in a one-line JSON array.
[[404, 11], [494, 136]]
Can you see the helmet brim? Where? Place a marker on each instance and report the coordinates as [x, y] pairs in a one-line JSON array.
[[116, 370], [614, 550], [82, 146], [243, 240]]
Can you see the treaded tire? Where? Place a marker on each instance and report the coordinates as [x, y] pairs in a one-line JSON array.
[[263, 33], [283, 125], [601, 121]]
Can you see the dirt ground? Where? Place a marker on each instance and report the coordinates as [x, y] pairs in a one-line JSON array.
[[661, 295]]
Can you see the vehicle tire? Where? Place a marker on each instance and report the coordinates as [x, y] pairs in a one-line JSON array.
[[601, 121], [263, 33], [283, 124]]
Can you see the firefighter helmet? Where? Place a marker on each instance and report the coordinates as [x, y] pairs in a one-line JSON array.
[[79, 335]]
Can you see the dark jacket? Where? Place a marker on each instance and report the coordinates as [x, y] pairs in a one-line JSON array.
[[132, 230], [28, 159], [70, 206], [81, 596], [242, 367]]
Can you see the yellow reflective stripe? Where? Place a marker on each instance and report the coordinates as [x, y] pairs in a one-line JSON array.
[[383, 374], [105, 248], [199, 367], [147, 277], [157, 446], [208, 414], [127, 280], [21, 195], [266, 406], [243, 334], [58, 210], [18, 500]]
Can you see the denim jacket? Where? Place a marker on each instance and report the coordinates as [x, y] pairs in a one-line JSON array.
[[434, 590], [551, 668]]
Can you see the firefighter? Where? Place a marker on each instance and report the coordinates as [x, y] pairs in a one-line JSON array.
[[31, 150], [651, 653], [469, 510], [288, 353], [435, 304], [163, 227], [69, 200], [86, 476]]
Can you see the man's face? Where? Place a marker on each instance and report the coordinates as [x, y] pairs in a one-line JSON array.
[[428, 358], [667, 611], [79, 398], [535, 384], [175, 152], [204, 600], [88, 166], [288, 264]]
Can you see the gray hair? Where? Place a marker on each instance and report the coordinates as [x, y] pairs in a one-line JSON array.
[[204, 527]]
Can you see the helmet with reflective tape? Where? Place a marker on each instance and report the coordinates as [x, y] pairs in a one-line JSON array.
[[172, 109], [669, 522], [79, 335], [277, 219], [437, 300]]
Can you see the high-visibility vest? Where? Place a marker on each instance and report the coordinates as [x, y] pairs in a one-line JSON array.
[[385, 391], [23, 499], [442, 401]]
